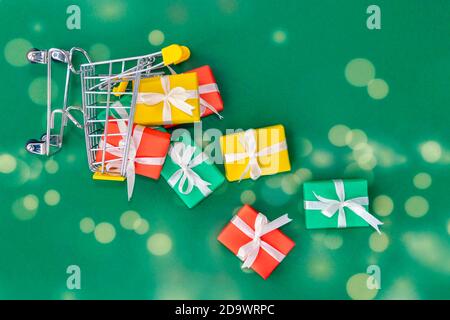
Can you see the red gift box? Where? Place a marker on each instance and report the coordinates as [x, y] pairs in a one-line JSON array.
[[234, 238], [209, 93], [208, 90], [153, 144]]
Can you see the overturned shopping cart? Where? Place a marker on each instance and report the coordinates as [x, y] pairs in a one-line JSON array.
[[102, 84]]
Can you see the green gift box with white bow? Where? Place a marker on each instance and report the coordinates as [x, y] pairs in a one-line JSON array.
[[190, 172], [338, 204]]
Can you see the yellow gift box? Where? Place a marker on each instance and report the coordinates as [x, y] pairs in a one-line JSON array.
[[168, 100], [254, 153]]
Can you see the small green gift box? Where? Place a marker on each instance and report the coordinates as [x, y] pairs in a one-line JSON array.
[[117, 109], [190, 172], [337, 204]]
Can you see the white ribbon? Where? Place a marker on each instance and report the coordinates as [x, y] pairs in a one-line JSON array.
[[204, 89], [182, 155], [329, 207], [248, 141], [175, 97], [135, 140], [121, 112], [249, 251]]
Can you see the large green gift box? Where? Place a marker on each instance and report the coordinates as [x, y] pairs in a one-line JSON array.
[[190, 172], [337, 204]]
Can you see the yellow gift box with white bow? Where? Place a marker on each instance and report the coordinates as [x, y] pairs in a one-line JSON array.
[[255, 152], [168, 100]]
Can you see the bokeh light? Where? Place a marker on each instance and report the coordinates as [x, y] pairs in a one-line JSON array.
[[105, 232], [248, 197], [99, 52], [357, 287], [141, 226], [177, 13], [359, 72], [156, 37], [51, 166], [159, 244], [38, 88], [422, 180], [128, 219], [306, 147], [416, 206], [356, 138], [110, 10], [333, 241], [377, 89], [87, 225], [279, 36], [25, 208], [431, 151], [16, 52], [228, 6], [52, 197], [429, 250], [401, 289], [378, 242], [337, 135], [383, 205], [322, 158], [7, 163], [320, 267]]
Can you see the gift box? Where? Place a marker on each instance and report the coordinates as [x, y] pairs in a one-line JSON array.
[[210, 98], [190, 172], [147, 151], [118, 109], [262, 256], [168, 100], [255, 153], [337, 204]]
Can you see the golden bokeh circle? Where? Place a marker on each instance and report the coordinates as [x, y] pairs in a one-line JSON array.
[[431, 151], [416, 206], [104, 232], [337, 135], [359, 72], [357, 287], [383, 205], [159, 244], [422, 180], [378, 242]]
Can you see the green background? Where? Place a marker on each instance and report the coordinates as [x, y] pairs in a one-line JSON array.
[[275, 62]]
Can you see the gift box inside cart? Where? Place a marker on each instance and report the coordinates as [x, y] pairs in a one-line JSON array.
[[110, 92]]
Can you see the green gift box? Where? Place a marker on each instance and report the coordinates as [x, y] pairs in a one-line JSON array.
[[190, 172], [337, 204], [114, 109]]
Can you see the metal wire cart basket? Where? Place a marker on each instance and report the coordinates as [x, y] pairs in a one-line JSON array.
[[102, 84]]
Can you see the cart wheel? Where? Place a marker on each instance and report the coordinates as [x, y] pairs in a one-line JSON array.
[[35, 55], [35, 146], [53, 139], [60, 56]]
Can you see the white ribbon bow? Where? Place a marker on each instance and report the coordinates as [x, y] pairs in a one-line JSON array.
[[249, 251], [171, 97], [329, 207], [187, 178], [135, 141], [248, 141], [204, 89]]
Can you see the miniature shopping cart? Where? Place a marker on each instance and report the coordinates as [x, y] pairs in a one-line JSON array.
[[102, 85]]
